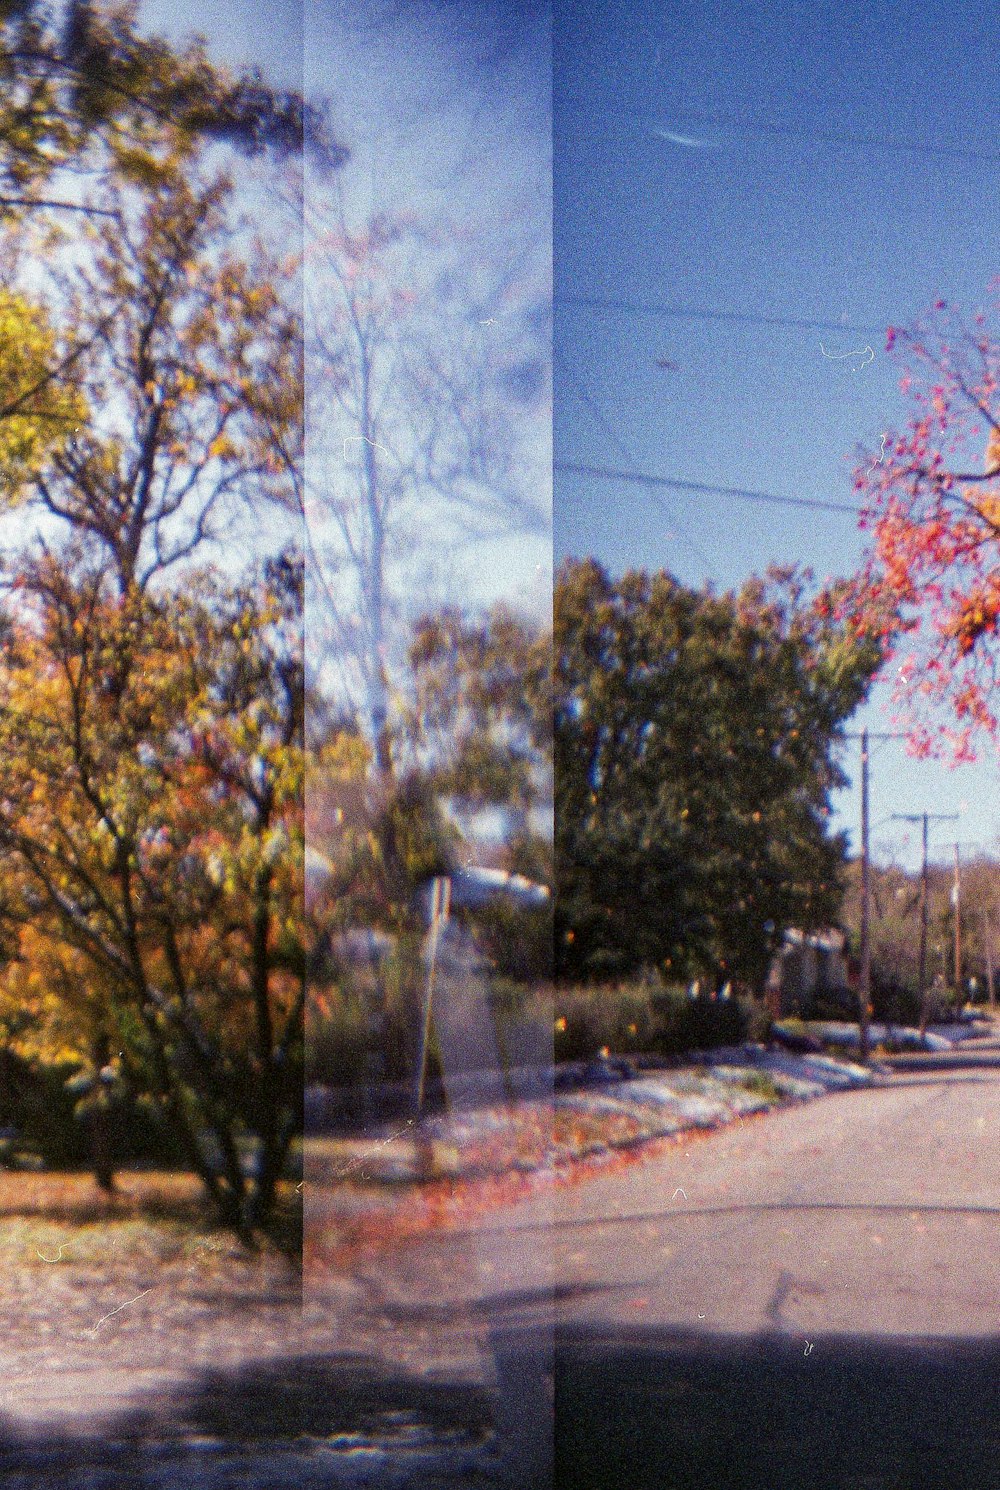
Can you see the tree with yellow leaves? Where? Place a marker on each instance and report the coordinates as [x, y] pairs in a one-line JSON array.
[[189, 358], [151, 821]]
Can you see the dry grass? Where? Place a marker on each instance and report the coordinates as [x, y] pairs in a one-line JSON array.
[[159, 1216], [76, 1198], [139, 1285]]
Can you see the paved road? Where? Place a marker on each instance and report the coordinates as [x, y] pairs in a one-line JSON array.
[[811, 1298]]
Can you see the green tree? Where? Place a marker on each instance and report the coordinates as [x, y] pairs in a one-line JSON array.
[[694, 739]]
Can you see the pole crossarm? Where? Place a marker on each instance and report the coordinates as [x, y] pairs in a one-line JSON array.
[[918, 817]]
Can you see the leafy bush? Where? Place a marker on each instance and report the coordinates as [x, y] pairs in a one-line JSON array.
[[835, 1003], [367, 1030], [895, 1003], [365, 1026], [699, 1023], [337, 1040], [634, 1018], [762, 1085], [517, 942], [588, 1019]]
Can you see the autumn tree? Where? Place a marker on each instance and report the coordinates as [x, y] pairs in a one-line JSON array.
[[694, 755], [40, 399], [154, 861], [83, 89], [189, 363], [94, 113], [931, 579], [151, 820]]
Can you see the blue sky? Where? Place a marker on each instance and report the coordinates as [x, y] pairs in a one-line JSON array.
[[420, 93], [238, 33], [840, 168], [785, 193], [446, 111]]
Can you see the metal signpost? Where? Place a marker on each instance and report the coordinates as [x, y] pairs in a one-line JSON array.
[[440, 911]]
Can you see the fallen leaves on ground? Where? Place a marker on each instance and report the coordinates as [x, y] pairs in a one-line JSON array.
[[343, 1223]]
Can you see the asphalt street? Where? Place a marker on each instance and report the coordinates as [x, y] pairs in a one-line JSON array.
[[808, 1298]]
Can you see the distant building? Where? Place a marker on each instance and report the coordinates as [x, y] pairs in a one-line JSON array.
[[810, 966]]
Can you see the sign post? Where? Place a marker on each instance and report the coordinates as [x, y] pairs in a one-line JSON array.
[[440, 910]]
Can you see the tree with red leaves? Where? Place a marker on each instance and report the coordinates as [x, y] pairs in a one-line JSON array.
[[931, 578]]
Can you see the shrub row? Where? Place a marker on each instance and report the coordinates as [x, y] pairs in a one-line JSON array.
[[635, 1018], [366, 1030]]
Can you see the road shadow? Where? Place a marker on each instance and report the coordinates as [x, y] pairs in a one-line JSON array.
[[315, 1396], [668, 1411], [643, 1408], [282, 1425]]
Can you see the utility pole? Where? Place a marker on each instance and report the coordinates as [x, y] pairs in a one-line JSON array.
[[865, 976], [925, 818], [865, 979], [988, 939], [956, 895]]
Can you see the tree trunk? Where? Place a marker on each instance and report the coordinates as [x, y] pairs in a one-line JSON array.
[[102, 1146]]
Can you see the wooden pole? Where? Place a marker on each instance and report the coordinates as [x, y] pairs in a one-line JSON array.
[[865, 979], [988, 922], [923, 992], [922, 974], [956, 896]]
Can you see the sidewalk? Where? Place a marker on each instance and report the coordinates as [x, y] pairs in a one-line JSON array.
[[586, 1114]]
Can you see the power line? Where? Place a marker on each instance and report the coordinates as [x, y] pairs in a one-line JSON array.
[[641, 478], [698, 313], [612, 433]]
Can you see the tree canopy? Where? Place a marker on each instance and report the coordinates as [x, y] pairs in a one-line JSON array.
[[931, 580], [695, 744], [188, 354], [151, 819], [83, 87], [151, 700]]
